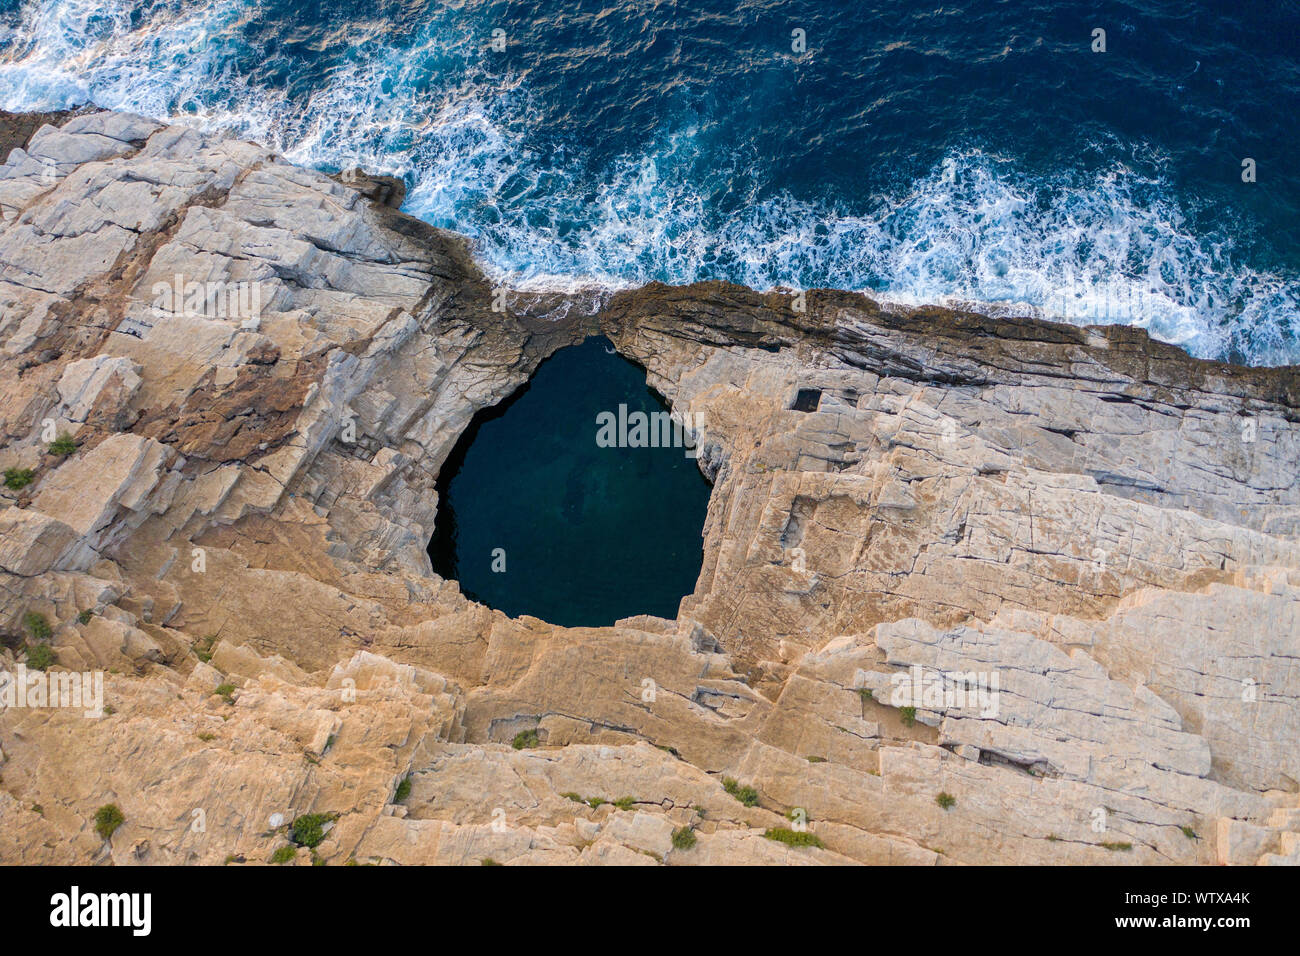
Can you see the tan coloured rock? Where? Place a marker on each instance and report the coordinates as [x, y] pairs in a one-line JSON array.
[[1079, 514]]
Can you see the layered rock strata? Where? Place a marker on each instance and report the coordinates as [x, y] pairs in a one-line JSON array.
[[1096, 537]]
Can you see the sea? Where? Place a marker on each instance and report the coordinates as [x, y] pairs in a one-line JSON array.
[[1091, 162]]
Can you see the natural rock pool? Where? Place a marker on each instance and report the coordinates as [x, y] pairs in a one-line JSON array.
[[552, 504]]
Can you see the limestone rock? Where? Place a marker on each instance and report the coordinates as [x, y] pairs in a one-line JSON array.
[[265, 369]]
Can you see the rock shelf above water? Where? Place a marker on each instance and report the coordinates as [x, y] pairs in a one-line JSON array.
[[1108, 525]]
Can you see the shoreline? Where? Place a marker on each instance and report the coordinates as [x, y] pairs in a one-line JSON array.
[[230, 519], [587, 297]]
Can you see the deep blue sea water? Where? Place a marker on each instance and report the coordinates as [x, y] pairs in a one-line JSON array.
[[967, 150]]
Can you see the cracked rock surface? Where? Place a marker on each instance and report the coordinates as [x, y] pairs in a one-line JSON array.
[[1092, 536]]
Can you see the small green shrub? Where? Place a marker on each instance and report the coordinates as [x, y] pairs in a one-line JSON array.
[[908, 716], [63, 445], [206, 737], [84, 617], [107, 819], [946, 800], [403, 790], [41, 657], [283, 855], [746, 795], [227, 691], [624, 803], [1189, 833], [37, 627], [17, 479], [573, 796], [865, 694], [684, 838], [309, 829], [1117, 846], [488, 861], [816, 759], [793, 837], [526, 740], [595, 802]]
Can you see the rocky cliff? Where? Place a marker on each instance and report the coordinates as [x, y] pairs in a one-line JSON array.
[[1100, 530]]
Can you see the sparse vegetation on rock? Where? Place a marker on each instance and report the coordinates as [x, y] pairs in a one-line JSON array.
[[284, 854], [63, 445], [16, 479], [684, 838], [403, 790], [107, 819], [745, 794], [37, 626], [41, 657], [793, 837], [309, 829]]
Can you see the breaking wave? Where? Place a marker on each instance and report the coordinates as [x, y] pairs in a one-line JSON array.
[[1110, 245]]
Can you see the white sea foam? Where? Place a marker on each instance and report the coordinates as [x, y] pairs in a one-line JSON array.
[[1115, 247]]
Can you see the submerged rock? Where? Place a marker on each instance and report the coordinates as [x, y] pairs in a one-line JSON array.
[[1094, 536]]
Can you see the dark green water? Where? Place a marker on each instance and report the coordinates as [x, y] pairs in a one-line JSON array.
[[590, 534]]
